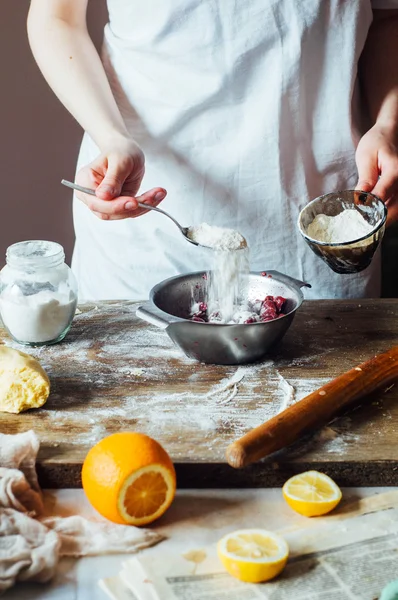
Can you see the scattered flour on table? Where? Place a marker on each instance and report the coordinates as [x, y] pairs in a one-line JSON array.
[[335, 437], [289, 397], [225, 385], [148, 364], [346, 226]]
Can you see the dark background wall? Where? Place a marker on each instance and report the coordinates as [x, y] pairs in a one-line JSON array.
[[390, 263], [39, 140]]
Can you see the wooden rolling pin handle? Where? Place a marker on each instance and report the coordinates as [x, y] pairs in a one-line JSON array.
[[314, 410]]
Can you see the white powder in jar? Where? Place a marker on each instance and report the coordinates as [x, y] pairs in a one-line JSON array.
[[218, 238], [37, 318], [346, 226]]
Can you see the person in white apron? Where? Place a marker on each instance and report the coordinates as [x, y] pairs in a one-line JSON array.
[[244, 112]]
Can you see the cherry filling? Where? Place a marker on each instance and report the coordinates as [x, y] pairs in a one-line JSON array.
[[201, 314], [259, 311]]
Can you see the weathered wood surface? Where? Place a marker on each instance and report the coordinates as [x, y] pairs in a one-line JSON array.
[[115, 372]]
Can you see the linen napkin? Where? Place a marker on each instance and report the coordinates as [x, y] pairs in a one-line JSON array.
[[30, 543]]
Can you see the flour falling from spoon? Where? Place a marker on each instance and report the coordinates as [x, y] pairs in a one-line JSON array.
[[228, 278], [228, 284]]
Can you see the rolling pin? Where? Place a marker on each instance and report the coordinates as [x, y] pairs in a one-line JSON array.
[[314, 410]]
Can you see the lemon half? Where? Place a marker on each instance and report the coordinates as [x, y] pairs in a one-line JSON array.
[[253, 555], [311, 493]]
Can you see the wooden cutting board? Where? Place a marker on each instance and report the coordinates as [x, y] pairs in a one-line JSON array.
[[114, 372]]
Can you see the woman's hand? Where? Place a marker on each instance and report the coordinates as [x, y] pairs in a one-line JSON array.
[[116, 176], [377, 162], [68, 59]]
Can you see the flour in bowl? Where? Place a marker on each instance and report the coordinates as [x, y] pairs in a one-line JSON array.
[[226, 296], [217, 238], [345, 227], [226, 299]]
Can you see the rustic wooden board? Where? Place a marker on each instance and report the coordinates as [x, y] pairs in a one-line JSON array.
[[115, 372]]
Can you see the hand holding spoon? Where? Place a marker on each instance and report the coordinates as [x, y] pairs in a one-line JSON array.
[[187, 232], [184, 230]]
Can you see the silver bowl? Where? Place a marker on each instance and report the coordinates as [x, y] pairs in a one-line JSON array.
[[355, 255], [221, 344]]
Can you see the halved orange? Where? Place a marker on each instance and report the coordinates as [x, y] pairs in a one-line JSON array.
[[129, 478]]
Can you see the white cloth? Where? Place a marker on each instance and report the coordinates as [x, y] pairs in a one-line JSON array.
[[31, 547], [245, 111]]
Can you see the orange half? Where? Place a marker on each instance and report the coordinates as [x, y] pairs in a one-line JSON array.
[[146, 495]]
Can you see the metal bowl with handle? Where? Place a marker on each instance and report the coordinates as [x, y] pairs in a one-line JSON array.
[[221, 344]]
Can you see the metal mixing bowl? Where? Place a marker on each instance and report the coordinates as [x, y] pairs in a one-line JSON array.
[[221, 344], [355, 255]]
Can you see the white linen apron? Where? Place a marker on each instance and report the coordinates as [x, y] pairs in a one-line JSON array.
[[245, 110]]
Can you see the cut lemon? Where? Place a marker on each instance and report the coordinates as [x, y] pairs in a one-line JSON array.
[[311, 493], [129, 478], [253, 555]]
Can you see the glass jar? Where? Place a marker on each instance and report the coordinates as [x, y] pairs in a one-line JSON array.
[[38, 293]]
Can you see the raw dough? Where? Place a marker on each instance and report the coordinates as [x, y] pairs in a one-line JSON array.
[[23, 382]]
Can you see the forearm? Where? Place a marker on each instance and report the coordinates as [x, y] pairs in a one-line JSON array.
[[379, 70], [70, 63]]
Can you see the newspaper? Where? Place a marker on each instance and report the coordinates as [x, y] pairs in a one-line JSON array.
[[350, 558]]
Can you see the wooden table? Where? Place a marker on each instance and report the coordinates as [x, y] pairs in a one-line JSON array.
[[114, 372]]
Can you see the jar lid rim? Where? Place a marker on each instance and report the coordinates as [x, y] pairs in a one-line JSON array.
[[35, 251]]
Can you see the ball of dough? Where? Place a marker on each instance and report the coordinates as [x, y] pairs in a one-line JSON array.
[[23, 382]]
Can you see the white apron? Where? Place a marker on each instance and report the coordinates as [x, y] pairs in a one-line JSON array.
[[245, 110]]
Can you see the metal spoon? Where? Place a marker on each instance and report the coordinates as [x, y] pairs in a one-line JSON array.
[[184, 230]]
